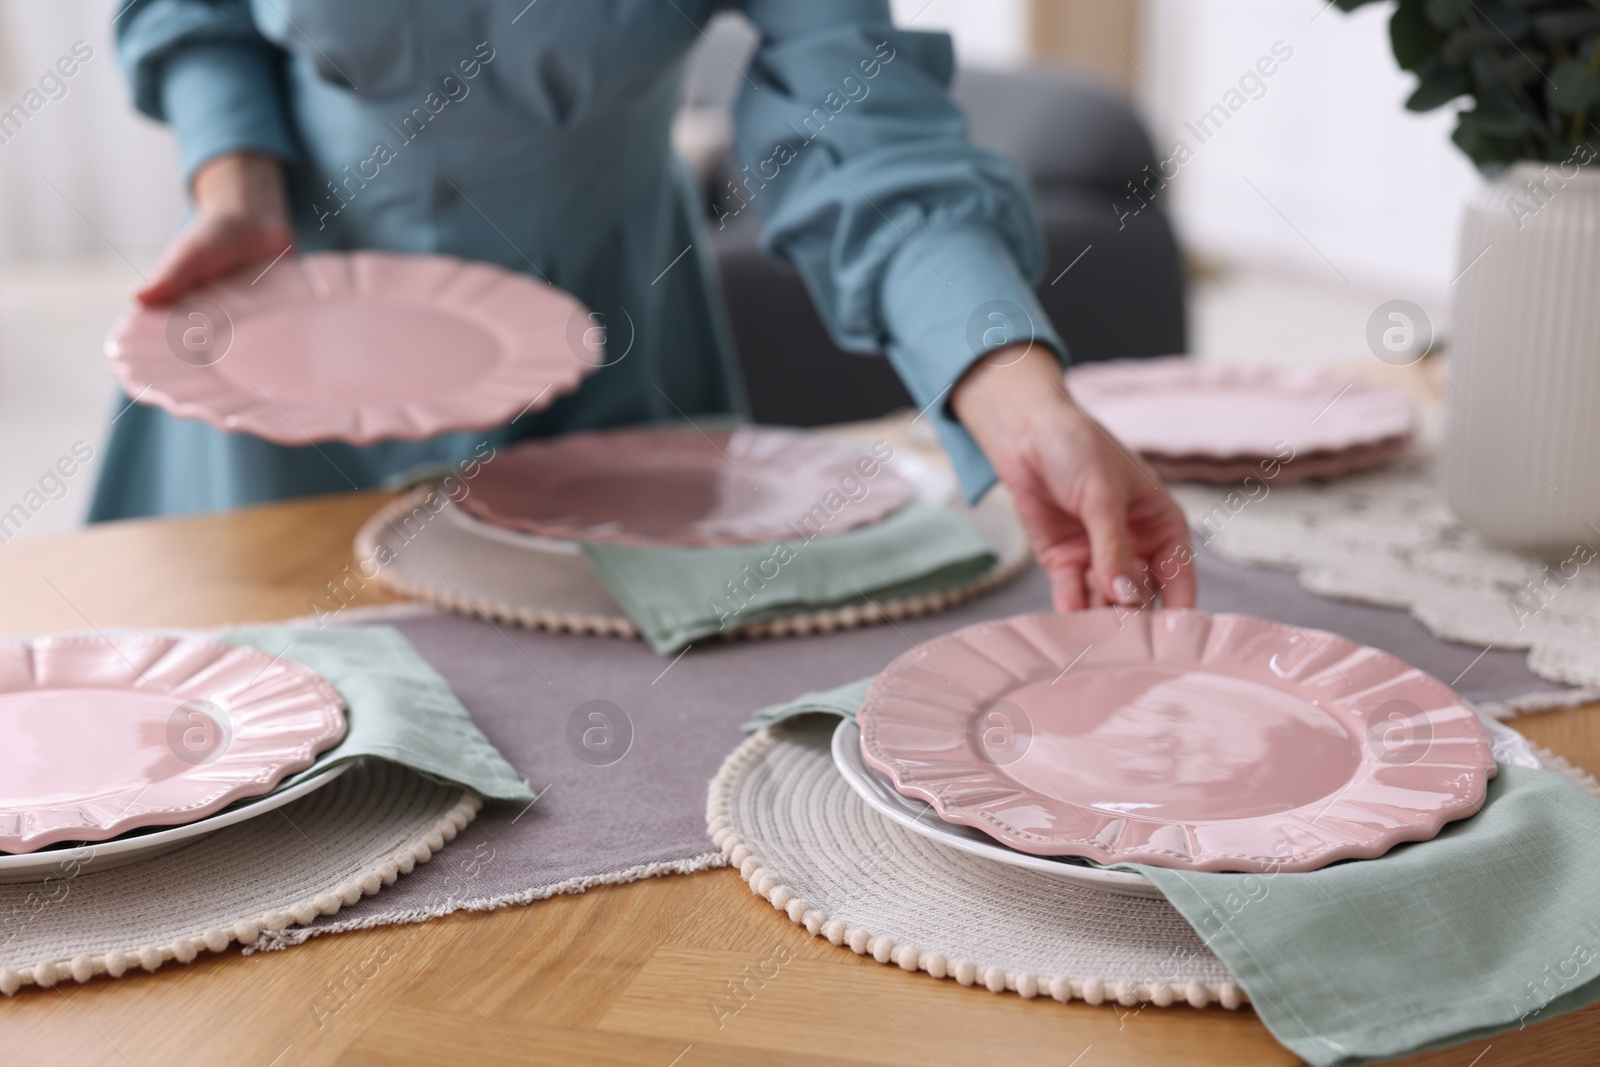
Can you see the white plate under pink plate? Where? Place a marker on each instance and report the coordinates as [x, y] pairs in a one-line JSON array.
[[1180, 408], [1176, 738], [879, 794], [107, 734], [70, 860], [357, 347]]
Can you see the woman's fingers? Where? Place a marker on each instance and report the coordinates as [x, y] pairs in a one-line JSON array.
[[211, 248], [1049, 532], [1112, 567], [1068, 591], [241, 217], [1174, 569], [179, 271], [201, 253], [1094, 514]]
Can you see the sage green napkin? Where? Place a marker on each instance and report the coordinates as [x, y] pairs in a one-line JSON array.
[[678, 595], [1491, 926], [397, 707], [843, 701]]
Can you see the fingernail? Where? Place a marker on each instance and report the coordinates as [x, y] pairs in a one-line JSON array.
[[1123, 586]]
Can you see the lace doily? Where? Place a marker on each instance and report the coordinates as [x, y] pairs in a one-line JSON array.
[[1387, 537]]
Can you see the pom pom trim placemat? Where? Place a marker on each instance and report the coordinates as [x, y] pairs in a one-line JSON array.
[[411, 547], [810, 846], [254, 879]]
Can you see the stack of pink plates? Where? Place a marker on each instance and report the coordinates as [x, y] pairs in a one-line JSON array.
[[108, 737], [357, 347], [1217, 423], [1172, 738], [681, 487]]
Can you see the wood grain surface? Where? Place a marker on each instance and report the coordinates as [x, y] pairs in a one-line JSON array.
[[624, 975]]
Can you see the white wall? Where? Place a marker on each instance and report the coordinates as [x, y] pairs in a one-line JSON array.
[[988, 33], [86, 186], [114, 167], [1374, 190]]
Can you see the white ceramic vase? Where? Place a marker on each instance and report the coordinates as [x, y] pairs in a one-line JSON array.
[[1522, 430]]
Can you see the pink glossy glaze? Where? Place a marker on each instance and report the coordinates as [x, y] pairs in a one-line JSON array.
[[95, 732], [680, 486], [361, 347], [302, 354], [1128, 741], [1176, 738]]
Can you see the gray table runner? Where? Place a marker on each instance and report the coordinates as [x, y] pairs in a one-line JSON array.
[[620, 743]]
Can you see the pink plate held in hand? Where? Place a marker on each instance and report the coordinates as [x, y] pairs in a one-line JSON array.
[[357, 347], [1176, 738], [103, 735], [1178, 408], [679, 486]]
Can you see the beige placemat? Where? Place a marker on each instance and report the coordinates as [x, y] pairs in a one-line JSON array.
[[805, 842], [808, 844], [415, 547], [279, 870]]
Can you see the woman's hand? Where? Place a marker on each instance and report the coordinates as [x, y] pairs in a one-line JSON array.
[[241, 216], [1102, 526]]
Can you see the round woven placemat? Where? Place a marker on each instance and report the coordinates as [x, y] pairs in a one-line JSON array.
[[284, 868], [808, 844], [414, 548]]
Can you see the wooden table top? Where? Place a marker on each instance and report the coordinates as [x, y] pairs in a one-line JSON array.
[[622, 975]]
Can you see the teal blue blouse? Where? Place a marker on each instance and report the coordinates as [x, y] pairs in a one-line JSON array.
[[536, 136]]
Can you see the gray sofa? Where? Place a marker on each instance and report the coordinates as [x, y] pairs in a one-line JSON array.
[[1081, 146]]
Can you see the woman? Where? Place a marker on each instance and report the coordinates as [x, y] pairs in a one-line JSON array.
[[535, 135]]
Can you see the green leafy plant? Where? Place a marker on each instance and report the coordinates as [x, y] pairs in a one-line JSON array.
[[1531, 67]]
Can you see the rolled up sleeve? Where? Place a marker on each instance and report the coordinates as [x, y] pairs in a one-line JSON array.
[[204, 69], [950, 297], [911, 240]]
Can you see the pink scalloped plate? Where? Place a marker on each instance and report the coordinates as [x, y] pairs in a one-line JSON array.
[[357, 347], [104, 735], [682, 487], [1301, 468], [1178, 408], [1176, 738]]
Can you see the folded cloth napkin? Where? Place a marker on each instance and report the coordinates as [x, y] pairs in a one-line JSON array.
[[843, 701], [397, 707], [1491, 926], [678, 595]]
